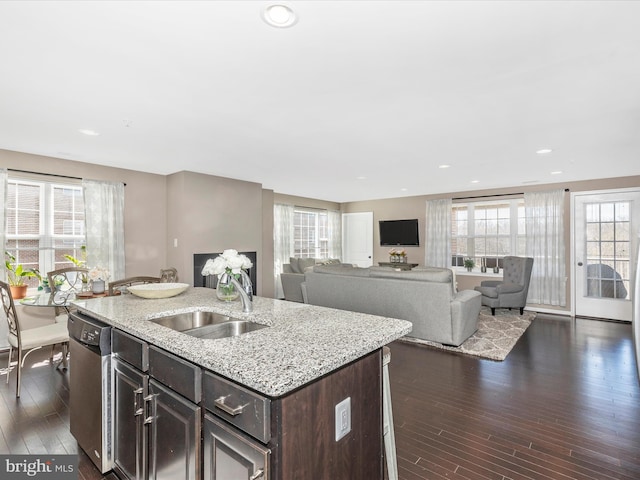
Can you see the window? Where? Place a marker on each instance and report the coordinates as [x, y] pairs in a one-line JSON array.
[[489, 230], [310, 233], [45, 221]]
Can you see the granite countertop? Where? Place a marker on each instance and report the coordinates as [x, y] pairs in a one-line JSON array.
[[303, 343]]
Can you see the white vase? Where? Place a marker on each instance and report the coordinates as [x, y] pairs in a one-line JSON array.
[[97, 286]]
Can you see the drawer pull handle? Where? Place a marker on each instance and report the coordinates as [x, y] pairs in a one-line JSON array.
[[257, 475], [233, 411]]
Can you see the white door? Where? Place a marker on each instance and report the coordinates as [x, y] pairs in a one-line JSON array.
[[357, 238], [605, 241]]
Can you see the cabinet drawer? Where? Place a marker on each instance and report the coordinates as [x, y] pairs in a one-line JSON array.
[[176, 373], [247, 410], [130, 349]]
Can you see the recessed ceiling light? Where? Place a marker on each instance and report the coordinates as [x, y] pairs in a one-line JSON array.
[[86, 131], [279, 15], [475, 181], [556, 172], [361, 178], [444, 166], [404, 189], [544, 151]]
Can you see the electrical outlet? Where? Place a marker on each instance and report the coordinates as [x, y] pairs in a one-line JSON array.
[[343, 418]]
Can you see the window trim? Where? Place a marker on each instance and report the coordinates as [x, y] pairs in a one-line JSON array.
[[515, 204], [46, 238]]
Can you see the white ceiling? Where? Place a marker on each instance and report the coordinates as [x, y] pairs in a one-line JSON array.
[[386, 90]]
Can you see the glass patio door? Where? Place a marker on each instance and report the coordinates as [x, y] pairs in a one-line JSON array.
[[605, 242]]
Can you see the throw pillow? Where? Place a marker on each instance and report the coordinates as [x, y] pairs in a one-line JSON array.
[[303, 263], [295, 267]]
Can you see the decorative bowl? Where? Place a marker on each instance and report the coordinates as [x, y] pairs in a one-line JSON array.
[[158, 290]]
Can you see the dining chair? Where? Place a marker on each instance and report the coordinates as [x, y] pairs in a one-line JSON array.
[[29, 340], [65, 282], [168, 275], [121, 285]]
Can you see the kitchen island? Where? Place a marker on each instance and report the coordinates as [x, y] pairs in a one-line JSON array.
[[299, 369]]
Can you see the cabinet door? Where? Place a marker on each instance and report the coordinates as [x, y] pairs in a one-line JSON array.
[[174, 435], [229, 455], [129, 438]]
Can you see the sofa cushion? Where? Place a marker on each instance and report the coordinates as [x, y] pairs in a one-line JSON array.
[[342, 269], [304, 263], [286, 268], [442, 275], [328, 261], [293, 261]]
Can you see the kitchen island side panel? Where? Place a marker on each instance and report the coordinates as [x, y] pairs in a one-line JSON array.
[[307, 445]]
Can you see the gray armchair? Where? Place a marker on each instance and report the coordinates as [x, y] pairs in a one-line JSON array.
[[512, 291]]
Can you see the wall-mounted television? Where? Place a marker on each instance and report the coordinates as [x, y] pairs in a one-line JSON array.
[[399, 232]]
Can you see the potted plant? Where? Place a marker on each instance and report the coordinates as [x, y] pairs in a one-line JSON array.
[[44, 282], [230, 262], [469, 263], [98, 276], [17, 274], [81, 263]]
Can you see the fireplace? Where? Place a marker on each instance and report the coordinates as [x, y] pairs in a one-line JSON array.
[[210, 281]]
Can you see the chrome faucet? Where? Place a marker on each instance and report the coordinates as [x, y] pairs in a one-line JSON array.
[[245, 288]]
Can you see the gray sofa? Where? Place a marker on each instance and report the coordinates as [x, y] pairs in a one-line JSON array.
[[425, 297], [292, 275]]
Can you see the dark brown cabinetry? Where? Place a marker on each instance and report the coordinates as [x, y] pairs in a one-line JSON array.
[[157, 429], [296, 439], [194, 425], [306, 437]]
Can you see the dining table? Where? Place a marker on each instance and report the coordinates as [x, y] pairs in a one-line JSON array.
[[61, 299]]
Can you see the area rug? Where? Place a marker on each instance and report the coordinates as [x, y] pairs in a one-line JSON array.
[[496, 335]]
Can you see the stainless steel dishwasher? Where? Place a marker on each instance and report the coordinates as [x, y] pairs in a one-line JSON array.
[[91, 384]]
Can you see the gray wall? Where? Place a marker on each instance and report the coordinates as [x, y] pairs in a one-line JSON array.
[[145, 198], [415, 207], [207, 214]]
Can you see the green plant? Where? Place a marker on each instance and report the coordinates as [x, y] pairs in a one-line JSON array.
[[44, 281], [17, 272], [469, 263], [79, 262]]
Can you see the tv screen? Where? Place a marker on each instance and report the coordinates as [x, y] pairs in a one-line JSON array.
[[399, 232]]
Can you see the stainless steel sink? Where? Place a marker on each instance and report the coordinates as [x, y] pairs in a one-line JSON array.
[[208, 325], [232, 328]]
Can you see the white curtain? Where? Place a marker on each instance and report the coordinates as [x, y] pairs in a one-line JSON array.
[[438, 233], [544, 213], [335, 234], [282, 241], [4, 184], [104, 217]]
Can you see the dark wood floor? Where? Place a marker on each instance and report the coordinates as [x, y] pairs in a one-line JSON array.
[[565, 404]]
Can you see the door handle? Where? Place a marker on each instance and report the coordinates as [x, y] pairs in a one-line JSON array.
[[233, 411], [150, 407], [259, 473], [138, 410], [579, 264]]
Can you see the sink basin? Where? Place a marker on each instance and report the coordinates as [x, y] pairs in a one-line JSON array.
[[232, 328], [210, 325]]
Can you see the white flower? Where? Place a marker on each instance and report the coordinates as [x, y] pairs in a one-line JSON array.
[[99, 273], [228, 260]]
